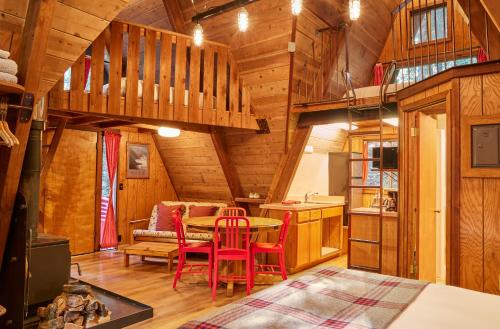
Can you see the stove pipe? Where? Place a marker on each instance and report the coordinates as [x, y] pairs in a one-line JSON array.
[[30, 177]]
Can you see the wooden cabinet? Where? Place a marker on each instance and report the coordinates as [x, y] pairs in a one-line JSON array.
[[309, 233], [366, 227]]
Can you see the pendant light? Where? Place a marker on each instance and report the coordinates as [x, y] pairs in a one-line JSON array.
[[198, 35], [243, 20], [296, 7], [354, 9], [168, 132]]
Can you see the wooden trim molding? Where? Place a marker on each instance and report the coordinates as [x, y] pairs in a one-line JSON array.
[[466, 156]]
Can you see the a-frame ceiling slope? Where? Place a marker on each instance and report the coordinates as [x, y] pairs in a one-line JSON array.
[[75, 25], [146, 12]]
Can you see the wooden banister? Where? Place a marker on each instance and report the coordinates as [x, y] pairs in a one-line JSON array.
[[203, 86]]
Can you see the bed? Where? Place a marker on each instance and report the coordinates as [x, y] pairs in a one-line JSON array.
[[331, 297]]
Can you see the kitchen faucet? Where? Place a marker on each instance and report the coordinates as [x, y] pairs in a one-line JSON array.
[[308, 195]]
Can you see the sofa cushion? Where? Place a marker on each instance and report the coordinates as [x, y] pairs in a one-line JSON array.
[[173, 235], [165, 220], [201, 211]]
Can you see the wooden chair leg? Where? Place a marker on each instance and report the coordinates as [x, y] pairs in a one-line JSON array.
[[178, 272], [210, 268], [126, 259], [248, 275]]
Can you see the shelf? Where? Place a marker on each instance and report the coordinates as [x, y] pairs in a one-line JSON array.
[[7, 88], [250, 200]]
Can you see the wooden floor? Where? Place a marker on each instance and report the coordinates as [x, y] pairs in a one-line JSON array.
[[149, 283]]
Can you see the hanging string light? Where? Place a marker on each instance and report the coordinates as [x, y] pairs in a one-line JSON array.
[[243, 20], [354, 9], [296, 7], [198, 35]]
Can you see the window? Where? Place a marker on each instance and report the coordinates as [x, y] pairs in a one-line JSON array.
[[429, 24], [413, 74], [373, 178]]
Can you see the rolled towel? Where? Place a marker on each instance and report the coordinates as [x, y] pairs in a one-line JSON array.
[[8, 66], [6, 77], [4, 54]]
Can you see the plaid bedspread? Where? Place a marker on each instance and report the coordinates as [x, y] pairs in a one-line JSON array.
[[328, 297]]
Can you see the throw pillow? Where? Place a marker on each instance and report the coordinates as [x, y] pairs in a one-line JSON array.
[[202, 211], [165, 221]]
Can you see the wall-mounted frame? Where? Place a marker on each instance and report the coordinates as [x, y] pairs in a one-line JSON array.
[[472, 163], [137, 161]]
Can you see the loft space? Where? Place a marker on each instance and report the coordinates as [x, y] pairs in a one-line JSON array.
[[215, 163]]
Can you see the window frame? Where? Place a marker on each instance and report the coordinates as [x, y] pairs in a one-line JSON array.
[[423, 7]]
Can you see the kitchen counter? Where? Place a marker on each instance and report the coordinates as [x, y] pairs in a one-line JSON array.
[[373, 211], [301, 206]]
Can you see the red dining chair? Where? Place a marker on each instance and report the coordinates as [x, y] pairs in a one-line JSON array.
[[233, 211], [268, 248], [234, 246], [191, 247]]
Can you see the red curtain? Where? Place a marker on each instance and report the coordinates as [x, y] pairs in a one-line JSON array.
[[109, 236], [378, 74], [482, 56]]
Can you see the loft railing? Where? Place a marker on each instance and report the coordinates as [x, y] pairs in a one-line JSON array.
[[137, 71]]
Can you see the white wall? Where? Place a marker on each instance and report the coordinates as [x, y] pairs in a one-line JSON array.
[[311, 176]]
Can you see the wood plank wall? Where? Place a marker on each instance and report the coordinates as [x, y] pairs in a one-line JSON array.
[[480, 196], [194, 167], [138, 196], [68, 194], [477, 218]]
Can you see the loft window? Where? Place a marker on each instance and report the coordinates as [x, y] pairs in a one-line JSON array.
[[429, 24]]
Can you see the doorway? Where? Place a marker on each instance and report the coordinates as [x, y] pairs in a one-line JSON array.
[[432, 189]]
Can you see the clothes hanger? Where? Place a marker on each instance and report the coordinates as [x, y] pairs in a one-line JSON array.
[[5, 134]]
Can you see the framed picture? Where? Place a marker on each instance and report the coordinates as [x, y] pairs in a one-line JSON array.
[[137, 160]]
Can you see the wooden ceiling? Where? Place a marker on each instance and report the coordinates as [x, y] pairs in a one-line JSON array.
[[75, 25], [147, 12]]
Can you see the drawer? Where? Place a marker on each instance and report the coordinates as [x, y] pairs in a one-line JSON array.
[[333, 212], [315, 214], [302, 216]]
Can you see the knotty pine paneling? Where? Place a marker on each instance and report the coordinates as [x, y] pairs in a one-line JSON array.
[[492, 236], [69, 191], [194, 167], [138, 196]]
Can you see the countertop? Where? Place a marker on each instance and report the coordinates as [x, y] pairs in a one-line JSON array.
[[301, 206], [373, 211]]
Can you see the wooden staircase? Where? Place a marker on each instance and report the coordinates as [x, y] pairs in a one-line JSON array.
[[180, 82]]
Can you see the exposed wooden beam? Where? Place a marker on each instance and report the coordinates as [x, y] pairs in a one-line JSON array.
[[287, 167], [290, 83], [98, 192], [227, 167], [32, 53], [222, 9], [87, 120], [492, 7], [53, 148], [175, 15]]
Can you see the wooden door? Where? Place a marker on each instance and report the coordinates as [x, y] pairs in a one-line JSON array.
[[427, 194], [69, 191], [315, 240], [303, 243]]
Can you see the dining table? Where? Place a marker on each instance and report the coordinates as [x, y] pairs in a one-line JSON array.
[[257, 225]]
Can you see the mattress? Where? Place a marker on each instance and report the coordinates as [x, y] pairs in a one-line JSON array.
[[439, 307], [374, 91], [123, 88]]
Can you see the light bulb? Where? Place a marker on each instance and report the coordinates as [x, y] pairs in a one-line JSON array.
[[354, 9], [243, 20], [168, 132], [198, 35], [296, 7]]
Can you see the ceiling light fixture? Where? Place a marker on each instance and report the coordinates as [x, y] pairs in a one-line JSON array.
[[343, 125], [296, 7], [243, 20], [168, 132], [391, 121], [354, 9], [198, 35]]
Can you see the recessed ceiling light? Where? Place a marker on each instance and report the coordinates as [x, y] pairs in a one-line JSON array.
[[169, 132]]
